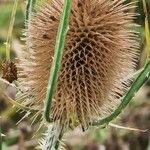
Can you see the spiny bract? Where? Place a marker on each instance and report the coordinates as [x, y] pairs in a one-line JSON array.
[[100, 53]]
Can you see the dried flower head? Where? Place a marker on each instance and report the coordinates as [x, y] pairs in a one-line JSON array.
[[100, 53], [9, 71]]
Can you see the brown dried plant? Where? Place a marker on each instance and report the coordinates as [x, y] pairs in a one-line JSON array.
[[9, 70], [99, 56]]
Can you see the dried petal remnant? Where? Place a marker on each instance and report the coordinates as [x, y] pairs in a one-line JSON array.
[[100, 52]]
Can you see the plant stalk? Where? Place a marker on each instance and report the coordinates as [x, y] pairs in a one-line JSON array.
[[147, 27], [60, 42], [0, 136], [10, 30], [29, 9]]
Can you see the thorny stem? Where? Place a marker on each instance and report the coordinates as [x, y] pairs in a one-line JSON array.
[[9, 36], [60, 40], [136, 85]]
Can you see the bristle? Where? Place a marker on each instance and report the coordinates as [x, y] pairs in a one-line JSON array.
[[100, 52]]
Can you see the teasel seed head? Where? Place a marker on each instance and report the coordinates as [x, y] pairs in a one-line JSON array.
[[9, 71], [100, 53]]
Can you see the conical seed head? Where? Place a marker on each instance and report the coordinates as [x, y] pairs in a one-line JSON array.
[[9, 70], [100, 53]]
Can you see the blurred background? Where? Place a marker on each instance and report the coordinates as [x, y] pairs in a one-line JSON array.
[[20, 136]]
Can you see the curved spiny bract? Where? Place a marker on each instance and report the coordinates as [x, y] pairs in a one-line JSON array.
[[100, 54]]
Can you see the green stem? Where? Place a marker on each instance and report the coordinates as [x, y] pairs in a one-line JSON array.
[[136, 85], [0, 136], [9, 36], [147, 27], [29, 9], [60, 41], [148, 147]]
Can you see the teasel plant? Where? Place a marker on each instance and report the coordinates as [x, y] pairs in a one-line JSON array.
[[80, 57]]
